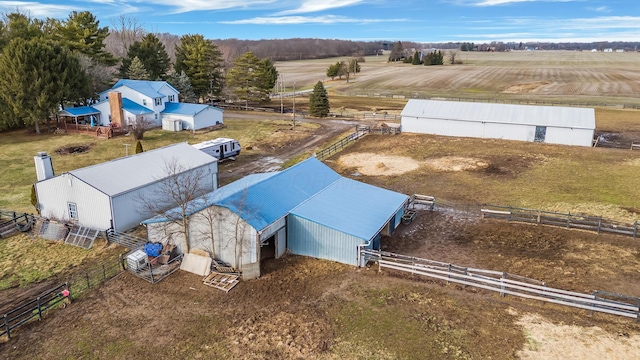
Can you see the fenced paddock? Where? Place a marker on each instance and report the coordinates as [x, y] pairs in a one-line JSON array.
[[77, 285], [342, 143], [152, 271], [505, 284], [566, 220]]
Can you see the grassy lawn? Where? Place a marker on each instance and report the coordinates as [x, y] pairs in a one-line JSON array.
[[17, 149]]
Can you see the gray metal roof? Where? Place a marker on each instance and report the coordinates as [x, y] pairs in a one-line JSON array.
[[128, 173], [558, 116]]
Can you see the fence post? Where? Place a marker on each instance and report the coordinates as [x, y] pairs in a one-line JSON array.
[[595, 294], [504, 276], [635, 233], [600, 224], [39, 309], [104, 273], [86, 275], [448, 272], [6, 325], [539, 216], [568, 220]]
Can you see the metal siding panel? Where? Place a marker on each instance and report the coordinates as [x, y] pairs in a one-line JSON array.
[[566, 136], [93, 206], [312, 239]]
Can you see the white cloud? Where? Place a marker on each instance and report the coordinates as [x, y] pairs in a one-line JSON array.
[[483, 3], [604, 9], [309, 6], [296, 20], [36, 9], [184, 6]]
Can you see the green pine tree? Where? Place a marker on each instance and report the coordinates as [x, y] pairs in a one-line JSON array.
[[139, 147], [319, 101], [136, 70]]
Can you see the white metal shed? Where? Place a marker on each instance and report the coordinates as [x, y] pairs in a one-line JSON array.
[[548, 124], [109, 195]]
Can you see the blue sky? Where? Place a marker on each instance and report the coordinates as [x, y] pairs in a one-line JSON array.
[[367, 20]]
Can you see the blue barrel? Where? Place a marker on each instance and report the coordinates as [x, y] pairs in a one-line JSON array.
[[152, 249]]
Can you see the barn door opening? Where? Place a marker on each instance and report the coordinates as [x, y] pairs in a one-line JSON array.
[[268, 248], [541, 133], [281, 242]]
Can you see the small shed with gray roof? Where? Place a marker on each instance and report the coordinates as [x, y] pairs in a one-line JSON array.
[[546, 124], [308, 209], [113, 194]]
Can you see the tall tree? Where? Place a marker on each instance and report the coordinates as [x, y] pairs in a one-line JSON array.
[[81, 32], [182, 83], [125, 30], [37, 76], [201, 60], [397, 52], [251, 79], [319, 101], [333, 70], [153, 56], [137, 71]]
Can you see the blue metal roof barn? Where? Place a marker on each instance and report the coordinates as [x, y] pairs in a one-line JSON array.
[[308, 208]]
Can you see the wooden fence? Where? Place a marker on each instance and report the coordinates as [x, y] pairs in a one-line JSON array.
[[12, 222], [505, 284], [342, 143], [566, 220]]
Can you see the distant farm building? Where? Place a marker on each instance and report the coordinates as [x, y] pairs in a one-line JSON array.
[[547, 124], [307, 209], [111, 194]]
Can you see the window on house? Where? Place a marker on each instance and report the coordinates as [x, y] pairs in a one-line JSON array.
[[158, 101], [156, 116], [172, 98], [73, 211], [144, 102]]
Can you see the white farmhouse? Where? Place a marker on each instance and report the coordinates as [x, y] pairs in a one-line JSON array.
[[112, 195], [547, 124], [155, 102]]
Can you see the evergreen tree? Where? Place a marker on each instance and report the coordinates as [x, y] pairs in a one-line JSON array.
[[37, 76], [151, 52], [252, 79], [397, 52], [415, 60], [202, 61], [81, 33], [333, 70], [319, 101], [139, 147], [136, 70], [182, 83]]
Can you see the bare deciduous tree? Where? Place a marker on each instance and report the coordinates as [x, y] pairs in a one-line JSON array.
[[125, 31], [174, 198], [138, 126], [452, 56]]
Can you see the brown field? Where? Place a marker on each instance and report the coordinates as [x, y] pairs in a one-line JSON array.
[[550, 76]]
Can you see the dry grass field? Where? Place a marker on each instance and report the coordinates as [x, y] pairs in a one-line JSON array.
[[549, 76]]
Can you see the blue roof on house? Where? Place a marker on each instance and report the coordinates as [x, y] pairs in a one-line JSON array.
[[145, 87], [185, 108], [271, 199], [79, 111], [352, 207], [134, 108]]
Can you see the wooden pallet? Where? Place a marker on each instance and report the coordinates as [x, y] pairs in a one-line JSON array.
[[224, 282]]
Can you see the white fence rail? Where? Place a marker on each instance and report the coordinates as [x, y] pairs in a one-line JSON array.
[[505, 284]]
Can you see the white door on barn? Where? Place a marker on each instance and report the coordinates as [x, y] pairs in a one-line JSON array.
[[281, 242]]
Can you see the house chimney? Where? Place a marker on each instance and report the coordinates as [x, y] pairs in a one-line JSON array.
[[115, 108], [44, 166]]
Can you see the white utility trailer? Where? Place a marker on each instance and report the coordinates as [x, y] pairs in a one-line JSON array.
[[221, 148]]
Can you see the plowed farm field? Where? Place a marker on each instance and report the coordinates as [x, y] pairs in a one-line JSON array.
[[553, 76]]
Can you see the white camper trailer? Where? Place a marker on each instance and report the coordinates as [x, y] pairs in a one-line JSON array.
[[221, 148]]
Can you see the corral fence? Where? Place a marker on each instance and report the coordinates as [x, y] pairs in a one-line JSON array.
[[504, 283], [566, 220], [125, 240], [148, 268], [342, 143], [78, 284]]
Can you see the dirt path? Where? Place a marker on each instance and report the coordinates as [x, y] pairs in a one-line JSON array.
[[270, 159]]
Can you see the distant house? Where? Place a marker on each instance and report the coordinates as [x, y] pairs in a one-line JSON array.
[[548, 124], [152, 101], [307, 209], [110, 194]]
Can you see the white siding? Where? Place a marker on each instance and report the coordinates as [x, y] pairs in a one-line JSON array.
[[568, 136], [205, 118], [93, 206], [214, 228], [167, 90]]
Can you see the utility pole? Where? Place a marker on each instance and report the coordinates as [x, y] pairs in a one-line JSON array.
[[281, 90], [294, 105]]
